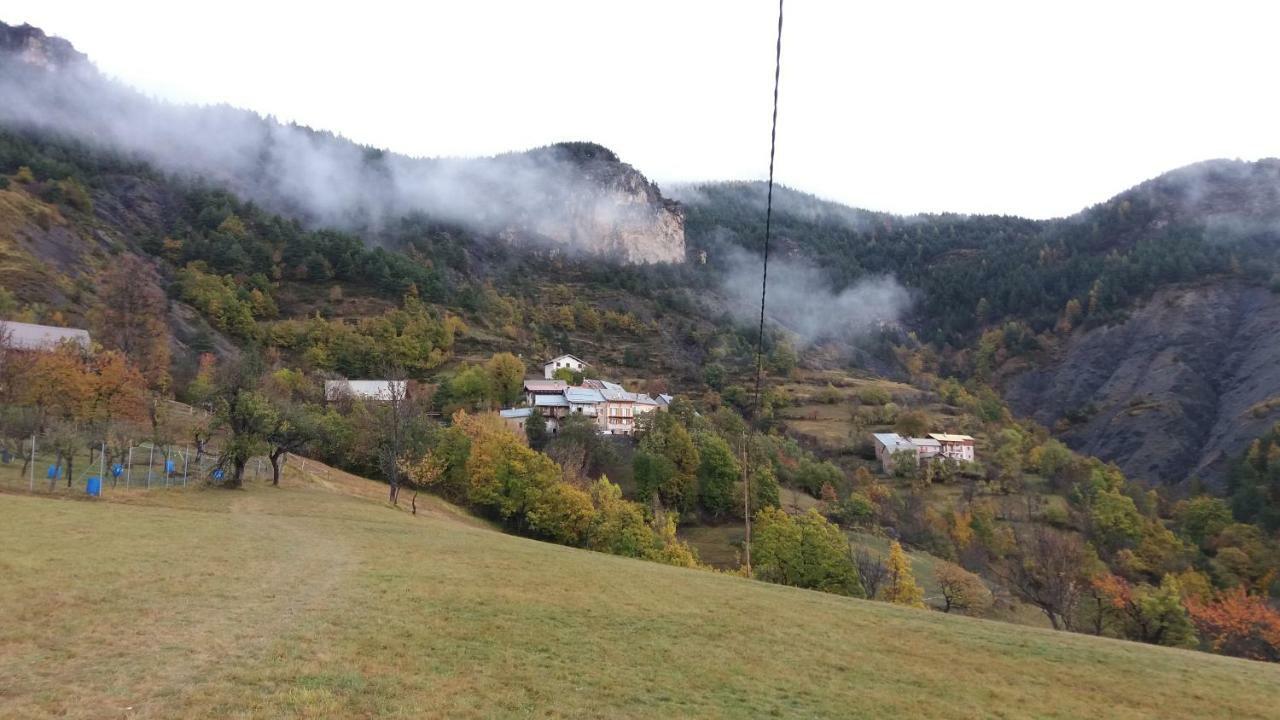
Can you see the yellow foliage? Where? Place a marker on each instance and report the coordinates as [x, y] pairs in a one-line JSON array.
[[901, 587]]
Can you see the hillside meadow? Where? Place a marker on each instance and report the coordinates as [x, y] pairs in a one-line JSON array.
[[317, 600]]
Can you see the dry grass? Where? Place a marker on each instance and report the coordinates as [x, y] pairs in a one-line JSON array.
[[315, 600]]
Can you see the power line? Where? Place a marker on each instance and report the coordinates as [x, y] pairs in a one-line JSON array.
[[768, 215], [764, 288]]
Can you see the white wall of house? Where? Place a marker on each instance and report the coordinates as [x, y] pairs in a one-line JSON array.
[[564, 361]]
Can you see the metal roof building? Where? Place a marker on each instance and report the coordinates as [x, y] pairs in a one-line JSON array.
[[29, 336]]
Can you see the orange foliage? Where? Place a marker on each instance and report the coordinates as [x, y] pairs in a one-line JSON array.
[[1236, 623]]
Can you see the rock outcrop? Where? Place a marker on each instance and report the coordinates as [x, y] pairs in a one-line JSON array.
[[1174, 392]]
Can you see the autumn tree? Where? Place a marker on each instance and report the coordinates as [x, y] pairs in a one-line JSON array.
[[117, 391], [1237, 623], [132, 317], [506, 377], [1144, 613], [56, 384], [900, 583], [912, 423], [960, 589]]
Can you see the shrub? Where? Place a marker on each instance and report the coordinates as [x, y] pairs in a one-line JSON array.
[[873, 396], [806, 551]]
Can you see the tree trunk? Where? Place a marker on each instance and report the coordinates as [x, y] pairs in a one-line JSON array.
[[237, 474], [394, 493], [275, 466], [71, 459], [1053, 618]]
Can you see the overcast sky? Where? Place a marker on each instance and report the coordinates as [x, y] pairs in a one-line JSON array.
[[1029, 108]]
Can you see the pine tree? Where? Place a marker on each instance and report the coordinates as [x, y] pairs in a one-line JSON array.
[[901, 588]]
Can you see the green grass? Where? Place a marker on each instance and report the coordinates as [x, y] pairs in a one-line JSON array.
[[316, 600]]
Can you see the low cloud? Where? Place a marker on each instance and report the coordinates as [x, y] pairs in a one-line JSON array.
[[802, 300], [558, 194]]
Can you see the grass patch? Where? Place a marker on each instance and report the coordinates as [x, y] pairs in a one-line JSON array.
[[315, 600]]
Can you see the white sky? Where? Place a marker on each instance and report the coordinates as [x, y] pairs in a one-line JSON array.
[[1031, 108]]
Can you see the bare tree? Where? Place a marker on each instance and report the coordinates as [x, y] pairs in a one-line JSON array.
[[1046, 568], [871, 569], [395, 427]]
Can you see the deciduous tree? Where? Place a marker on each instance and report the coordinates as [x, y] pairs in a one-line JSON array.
[[960, 589], [900, 583]]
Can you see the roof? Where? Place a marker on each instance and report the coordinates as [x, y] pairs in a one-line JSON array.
[[946, 438], [566, 355], [925, 442], [665, 399], [892, 440], [513, 413], [642, 399], [612, 386], [545, 385], [362, 388], [550, 401], [28, 336], [583, 395], [618, 395]]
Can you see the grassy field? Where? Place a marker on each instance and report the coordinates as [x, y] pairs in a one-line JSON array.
[[318, 600]]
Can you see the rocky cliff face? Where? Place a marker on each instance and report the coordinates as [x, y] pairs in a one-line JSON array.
[[31, 46], [576, 197], [1174, 392], [606, 207]]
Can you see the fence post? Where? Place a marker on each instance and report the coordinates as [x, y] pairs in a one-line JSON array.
[[185, 452], [31, 484], [150, 459], [102, 465], [128, 467]]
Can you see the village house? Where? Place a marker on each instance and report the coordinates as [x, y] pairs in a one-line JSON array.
[[613, 408], [956, 447], [937, 446], [534, 388], [383, 390], [566, 361], [40, 338], [516, 417]]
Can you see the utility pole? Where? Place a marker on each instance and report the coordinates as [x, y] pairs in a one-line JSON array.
[[746, 504]]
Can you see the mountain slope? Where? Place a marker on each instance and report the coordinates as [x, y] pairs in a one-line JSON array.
[[301, 602], [1173, 392], [576, 197]]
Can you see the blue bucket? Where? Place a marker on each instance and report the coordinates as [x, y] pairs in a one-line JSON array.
[[93, 486]]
